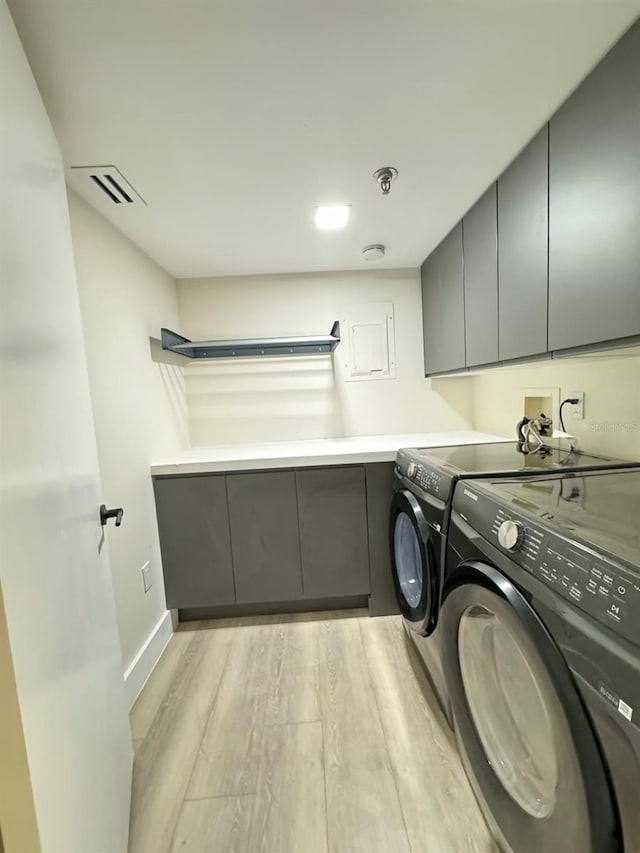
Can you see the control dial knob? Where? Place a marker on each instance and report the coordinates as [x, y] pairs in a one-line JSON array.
[[511, 535], [411, 469]]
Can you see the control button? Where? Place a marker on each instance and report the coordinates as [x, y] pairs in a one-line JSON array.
[[411, 469], [615, 612], [607, 579], [603, 591], [622, 590], [511, 535]]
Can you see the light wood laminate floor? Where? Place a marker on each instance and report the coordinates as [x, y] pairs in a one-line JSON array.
[[311, 733]]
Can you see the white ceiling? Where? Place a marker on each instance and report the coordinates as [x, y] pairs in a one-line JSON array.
[[233, 119]]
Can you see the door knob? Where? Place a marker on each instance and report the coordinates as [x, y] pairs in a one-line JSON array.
[[106, 514]]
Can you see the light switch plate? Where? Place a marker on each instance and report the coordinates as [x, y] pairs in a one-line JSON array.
[[146, 576]]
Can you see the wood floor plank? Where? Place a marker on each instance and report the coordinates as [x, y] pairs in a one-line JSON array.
[[439, 807], [219, 825], [165, 759], [363, 810], [229, 727], [294, 687], [227, 762], [289, 809], [159, 685]]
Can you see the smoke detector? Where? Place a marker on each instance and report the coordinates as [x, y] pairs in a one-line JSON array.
[[375, 252], [385, 176]]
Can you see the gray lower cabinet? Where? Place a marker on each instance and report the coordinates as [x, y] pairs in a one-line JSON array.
[[193, 523], [443, 305], [263, 515], [379, 477], [480, 242], [594, 187], [523, 228], [333, 531]]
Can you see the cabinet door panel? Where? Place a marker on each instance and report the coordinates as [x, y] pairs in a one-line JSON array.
[[333, 531], [594, 187], [264, 534], [523, 228], [430, 280], [193, 524], [443, 305], [480, 242], [379, 490]]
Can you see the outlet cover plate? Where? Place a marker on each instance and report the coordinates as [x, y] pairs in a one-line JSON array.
[[576, 410]]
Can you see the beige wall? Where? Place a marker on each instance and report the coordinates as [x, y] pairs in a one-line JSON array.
[[612, 399], [139, 405], [18, 823], [287, 399]]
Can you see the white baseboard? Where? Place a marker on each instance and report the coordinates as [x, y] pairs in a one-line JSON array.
[[143, 664]]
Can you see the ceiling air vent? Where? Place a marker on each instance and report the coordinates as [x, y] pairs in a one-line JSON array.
[[110, 181]]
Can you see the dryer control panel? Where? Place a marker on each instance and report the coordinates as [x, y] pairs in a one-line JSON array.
[[607, 590]]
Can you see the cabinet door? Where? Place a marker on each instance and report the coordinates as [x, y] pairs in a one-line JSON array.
[[263, 515], [333, 531], [379, 477], [430, 282], [193, 524], [443, 305], [523, 228], [594, 187], [480, 244]]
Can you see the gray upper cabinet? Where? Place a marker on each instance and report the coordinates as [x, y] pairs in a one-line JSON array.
[[443, 306], [594, 187], [480, 242], [430, 281], [333, 531], [523, 228], [193, 524], [263, 515]]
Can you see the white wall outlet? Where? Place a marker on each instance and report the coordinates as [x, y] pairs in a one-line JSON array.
[[575, 410], [146, 576]]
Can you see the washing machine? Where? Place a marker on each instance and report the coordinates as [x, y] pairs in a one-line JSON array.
[[540, 640], [424, 479]]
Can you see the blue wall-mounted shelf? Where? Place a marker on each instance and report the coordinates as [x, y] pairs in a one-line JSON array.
[[251, 347]]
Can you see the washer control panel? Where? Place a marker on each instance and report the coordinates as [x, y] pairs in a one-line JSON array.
[[608, 591], [428, 479]]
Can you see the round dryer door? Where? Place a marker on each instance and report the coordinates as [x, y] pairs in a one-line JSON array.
[[526, 741], [414, 548]]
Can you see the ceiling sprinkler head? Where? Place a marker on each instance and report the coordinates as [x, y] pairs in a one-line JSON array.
[[384, 177]]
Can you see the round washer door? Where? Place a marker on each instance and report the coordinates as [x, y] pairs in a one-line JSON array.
[[524, 735], [414, 547]]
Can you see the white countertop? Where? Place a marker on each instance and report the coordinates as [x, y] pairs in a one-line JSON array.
[[322, 451]]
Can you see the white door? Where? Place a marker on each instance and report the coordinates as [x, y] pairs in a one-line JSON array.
[[56, 581]]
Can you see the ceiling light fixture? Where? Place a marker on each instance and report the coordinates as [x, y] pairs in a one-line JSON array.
[[385, 176], [332, 217], [375, 252]]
